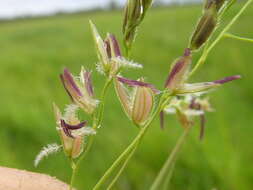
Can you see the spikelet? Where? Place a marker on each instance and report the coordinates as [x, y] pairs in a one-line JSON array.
[[46, 151]]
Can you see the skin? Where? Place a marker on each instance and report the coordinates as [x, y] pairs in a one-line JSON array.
[[14, 179]]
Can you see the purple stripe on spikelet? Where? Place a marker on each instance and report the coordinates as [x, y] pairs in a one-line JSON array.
[[134, 83], [194, 105], [68, 77], [64, 85], [66, 130], [116, 47], [187, 52], [73, 127], [162, 119], [202, 126], [179, 65], [88, 83], [227, 79], [177, 68], [108, 47]]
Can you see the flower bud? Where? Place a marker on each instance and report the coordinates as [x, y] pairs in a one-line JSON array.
[[135, 11], [81, 92], [132, 18], [112, 46], [179, 71], [146, 4], [142, 105], [138, 104], [217, 3], [123, 96], [101, 49], [204, 29]]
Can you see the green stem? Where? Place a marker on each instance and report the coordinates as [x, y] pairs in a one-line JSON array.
[[119, 159], [203, 57], [129, 149], [170, 161], [122, 168], [228, 35], [73, 166], [168, 178], [102, 102], [96, 123]]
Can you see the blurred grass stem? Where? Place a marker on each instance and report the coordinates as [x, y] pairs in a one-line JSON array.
[[122, 168], [228, 35], [168, 165], [74, 170], [168, 178]]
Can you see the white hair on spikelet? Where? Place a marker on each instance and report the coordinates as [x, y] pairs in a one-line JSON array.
[[99, 68], [46, 151], [126, 63], [70, 110], [84, 131]]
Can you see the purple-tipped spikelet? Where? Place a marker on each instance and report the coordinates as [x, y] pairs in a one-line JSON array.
[[138, 104], [80, 91], [70, 85], [86, 80], [73, 127], [112, 46], [134, 83], [179, 71], [109, 54], [72, 132], [178, 76]]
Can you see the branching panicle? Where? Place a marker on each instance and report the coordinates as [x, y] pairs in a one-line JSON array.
[[141, 101]]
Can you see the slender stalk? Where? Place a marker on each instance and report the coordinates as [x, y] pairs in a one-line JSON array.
[[96, 123], [228, 35], [203, 57], [129, 149], [102, 102], [170, 161], [117, 162], [168, 178], [122, 168], [73, 166]]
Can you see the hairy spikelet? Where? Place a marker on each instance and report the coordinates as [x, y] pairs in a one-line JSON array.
[[46, 151], [85, 131], [126, 63]]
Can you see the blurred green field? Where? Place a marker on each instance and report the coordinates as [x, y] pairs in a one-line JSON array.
[[33, 52]]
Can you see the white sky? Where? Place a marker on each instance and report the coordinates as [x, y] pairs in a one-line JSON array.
[[14, 8], [10, 8]]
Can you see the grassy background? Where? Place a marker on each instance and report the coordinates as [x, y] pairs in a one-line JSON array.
[[33, 52]]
